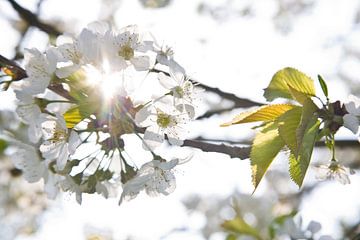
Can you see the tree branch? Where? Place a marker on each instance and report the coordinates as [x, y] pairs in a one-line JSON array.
[[239, 102], [339, 143], [33, 20], [17, 71], [232, 151], [20, 73]]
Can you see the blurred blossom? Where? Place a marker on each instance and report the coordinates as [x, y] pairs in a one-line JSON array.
[[155, 3], [334, 171]]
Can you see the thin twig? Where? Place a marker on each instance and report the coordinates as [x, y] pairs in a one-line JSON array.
[[33, 20], [232, 151]]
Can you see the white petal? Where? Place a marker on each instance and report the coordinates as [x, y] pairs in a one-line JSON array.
[[351, 122], [64, 39], [141, 117], [152, 138], [61, 121], [166, 81], [141, 63], [74, 141], [28, 112], [353, 105], [63, 157], [64, 72], [52, 56], [177, 71], [175, 141], [35, 85], [100, 27], [51, 187], [314, 227], [169, 165], [24, 97], [34, 132], [189, 109], [50, 150]]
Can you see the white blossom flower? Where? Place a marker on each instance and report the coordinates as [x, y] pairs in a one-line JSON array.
[[58, 142], [29, 112], [86, 49], [52, 182], [293, 229], [156, 177], [40, 69], [181, 89], [334, 171], [351, 120], [126, 48], [160, 120], [28, 160], [314, 227]]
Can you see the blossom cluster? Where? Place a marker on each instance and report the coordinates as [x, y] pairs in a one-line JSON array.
[[83, 95], [350, 120]]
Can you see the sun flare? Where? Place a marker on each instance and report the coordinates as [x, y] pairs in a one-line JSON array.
[[109, 82]]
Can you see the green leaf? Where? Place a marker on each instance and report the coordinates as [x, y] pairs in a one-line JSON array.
[[299, 165], [73, 117], [239, 226], [3, 145], [298, 96], [266, 145], [308, 110], [264, 113], [289, 77], [76, 114], [231, 237], [288, 123], [323, 85]]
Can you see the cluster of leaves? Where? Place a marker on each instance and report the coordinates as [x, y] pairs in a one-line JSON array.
[[294, 126]]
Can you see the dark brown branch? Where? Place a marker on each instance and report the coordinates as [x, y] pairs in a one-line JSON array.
[[210, 113], [17, 72], [339, 143], [20, 73], [33, 20], [23, 34], [232, 151]]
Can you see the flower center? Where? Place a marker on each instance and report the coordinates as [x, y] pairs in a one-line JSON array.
[[178, 92], [163, 120], [126, 52], [59, 135]]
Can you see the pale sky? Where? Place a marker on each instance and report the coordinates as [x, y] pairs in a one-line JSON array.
[[239, 55]]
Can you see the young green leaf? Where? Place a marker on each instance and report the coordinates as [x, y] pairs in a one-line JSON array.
[[288, 123], [279, 85], [299, 165], [264, 113], [3, 146], [72, 117], [267, 144], [308, 110], [240, 227], [323, 85]]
